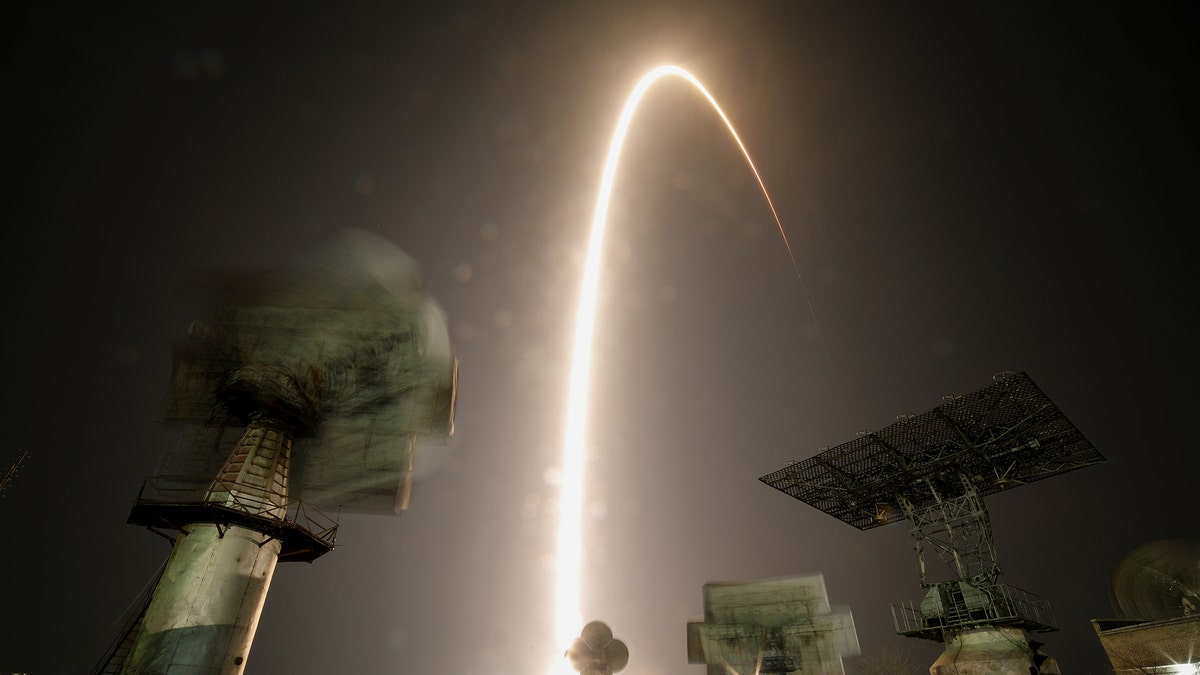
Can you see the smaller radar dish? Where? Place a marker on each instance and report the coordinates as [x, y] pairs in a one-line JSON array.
[[1158, 580]]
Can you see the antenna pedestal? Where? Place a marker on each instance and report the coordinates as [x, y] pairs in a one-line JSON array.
[[206, 607], [991, 650]]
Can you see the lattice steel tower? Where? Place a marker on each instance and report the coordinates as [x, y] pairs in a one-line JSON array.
[[933, 470]]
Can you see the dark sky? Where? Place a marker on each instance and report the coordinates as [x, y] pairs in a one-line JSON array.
[[968, 190]]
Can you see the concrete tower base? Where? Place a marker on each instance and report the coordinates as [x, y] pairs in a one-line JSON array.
[[989, 651], [206, 607]]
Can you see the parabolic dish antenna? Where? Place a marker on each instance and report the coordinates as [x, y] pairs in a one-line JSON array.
[[1158, 580], [352, 325]]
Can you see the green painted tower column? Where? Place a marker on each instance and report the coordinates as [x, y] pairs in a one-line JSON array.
[[205, 610]]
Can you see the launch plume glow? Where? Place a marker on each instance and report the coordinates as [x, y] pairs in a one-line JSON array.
[[568, 619]]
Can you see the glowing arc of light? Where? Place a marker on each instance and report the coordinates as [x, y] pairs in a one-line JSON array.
[[568, 618]]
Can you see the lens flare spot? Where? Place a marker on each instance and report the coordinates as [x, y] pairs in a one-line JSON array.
[[364, 184], [397, 638], [598, 510], [462, 272]]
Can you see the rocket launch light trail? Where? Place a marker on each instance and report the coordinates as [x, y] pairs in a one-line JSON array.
[[567, 614]]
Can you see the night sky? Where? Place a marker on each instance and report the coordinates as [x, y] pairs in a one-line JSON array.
[[967, 190]]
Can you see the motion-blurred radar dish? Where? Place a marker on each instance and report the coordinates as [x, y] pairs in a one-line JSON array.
[[369, 349], [776, 626], [312, 379], [1156, 595], [1158, 580]]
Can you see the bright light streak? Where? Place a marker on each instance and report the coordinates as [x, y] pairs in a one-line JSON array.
[[568, 618]]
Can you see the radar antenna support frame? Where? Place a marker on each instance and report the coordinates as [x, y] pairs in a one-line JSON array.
[[956, 530]]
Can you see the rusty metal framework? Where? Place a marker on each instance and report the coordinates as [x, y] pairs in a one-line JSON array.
[[957, 532], [933, 470]]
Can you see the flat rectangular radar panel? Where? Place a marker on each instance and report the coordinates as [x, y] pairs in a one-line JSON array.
[[1000, 437]]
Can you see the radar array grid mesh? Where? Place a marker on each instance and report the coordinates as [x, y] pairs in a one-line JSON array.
[[999, 437]]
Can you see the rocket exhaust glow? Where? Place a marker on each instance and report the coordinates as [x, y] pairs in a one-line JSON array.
[[567, 613]]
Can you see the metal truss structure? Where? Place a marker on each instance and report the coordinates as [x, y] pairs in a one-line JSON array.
[[956, 531]]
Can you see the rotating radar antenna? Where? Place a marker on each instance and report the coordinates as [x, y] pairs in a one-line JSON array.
[[1158, 581], [933, 470], [307, 387], [776, 626]]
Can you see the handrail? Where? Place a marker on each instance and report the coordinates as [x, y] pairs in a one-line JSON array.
[[240, 497], [1009, 605]]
